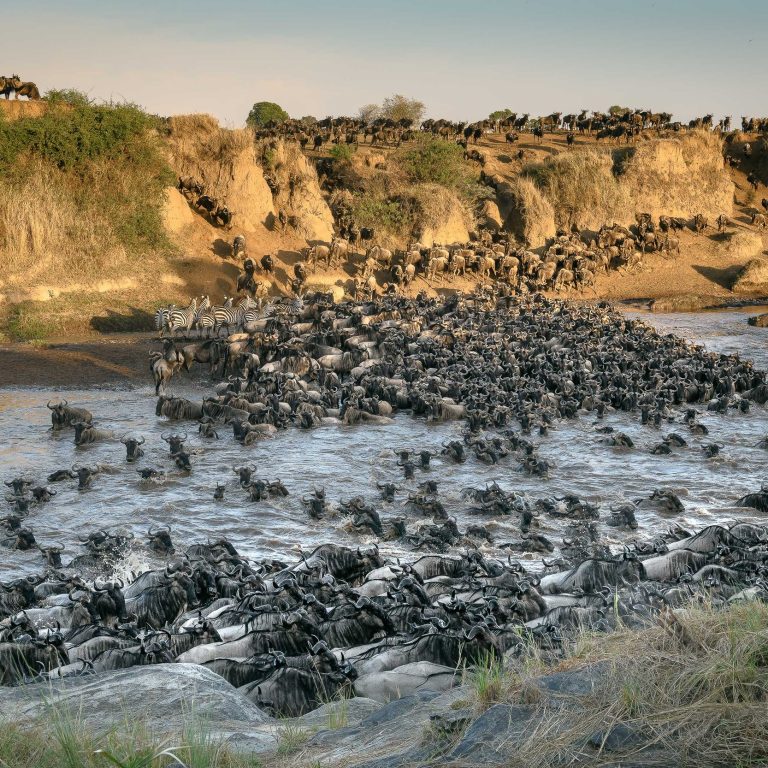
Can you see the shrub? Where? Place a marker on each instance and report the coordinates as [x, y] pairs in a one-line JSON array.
[[70, 137], [434, 161], [342, 152], [70, 96], [81, 188], [399, 107], [387, 214]]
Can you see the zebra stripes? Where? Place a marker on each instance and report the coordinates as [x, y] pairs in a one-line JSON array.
[[208, 319], [182, 319]]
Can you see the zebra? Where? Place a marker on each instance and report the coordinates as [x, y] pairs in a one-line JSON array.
[[161, 318], [182, 319], [226, 317], [204, 304]]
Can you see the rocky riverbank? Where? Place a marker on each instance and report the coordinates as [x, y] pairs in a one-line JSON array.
[[597, 703]]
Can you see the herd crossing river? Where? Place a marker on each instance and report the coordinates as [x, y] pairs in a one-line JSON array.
[[350, 461], [554, 506]]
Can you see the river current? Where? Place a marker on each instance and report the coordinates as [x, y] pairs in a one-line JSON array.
[[349, 461]]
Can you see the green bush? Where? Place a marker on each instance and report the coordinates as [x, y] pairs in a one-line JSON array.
[[70, 136], [384, 213], [342, 152], [434, 161], [69, 96], [105, 161]]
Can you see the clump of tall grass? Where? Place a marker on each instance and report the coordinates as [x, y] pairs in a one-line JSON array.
[[581, 187], [65, 741], [694, 688]]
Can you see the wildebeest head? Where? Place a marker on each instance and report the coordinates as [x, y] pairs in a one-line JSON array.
[[83, 432], [52, 554], [25, 539], [108, 601], [41, 493], [133, 449], [59, 416], [175, 442], [182, 461], [244, 474], [160, 540], [19, 485], [84, 475]]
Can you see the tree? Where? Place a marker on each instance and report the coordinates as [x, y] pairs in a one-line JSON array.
[[263, 112], [500, 114], [399, 107], [369, 112], [617, 110]]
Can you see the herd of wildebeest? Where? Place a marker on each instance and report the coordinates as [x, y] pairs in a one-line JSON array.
[[18, 87], [624, 124], [343, 620], [504, 361], [571, 261]]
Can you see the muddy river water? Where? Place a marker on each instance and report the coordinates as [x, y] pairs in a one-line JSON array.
[[349, 461]]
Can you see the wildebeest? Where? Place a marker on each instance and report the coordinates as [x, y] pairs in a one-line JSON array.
[[86, 433], [65, 415]]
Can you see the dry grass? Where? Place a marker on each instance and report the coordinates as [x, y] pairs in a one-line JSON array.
[[196, 138], [696, 690], [65, 741], [43, 232], [590, 187], [528, 213], [582, 188]]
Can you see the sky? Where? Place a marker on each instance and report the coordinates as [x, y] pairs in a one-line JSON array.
[[463, 59]]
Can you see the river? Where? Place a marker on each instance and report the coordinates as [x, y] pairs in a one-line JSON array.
[[349, 461]]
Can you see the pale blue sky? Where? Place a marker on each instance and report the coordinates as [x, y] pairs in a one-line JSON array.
[[463, 59]]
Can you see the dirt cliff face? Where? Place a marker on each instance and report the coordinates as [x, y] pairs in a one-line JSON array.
[[225, 161], [298, 191], [594, 185], [234, 170], [678, 177]]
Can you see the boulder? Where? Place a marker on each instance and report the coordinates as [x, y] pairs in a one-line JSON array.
[[405, 680], [166, 696], [759, 321], [495, 735], [490, 216]]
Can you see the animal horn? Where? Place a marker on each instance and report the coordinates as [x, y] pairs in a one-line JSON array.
[[48, 405]]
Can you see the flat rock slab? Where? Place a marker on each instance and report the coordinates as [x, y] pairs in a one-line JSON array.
[[350, 711], [495, 735], [165, 695], [390, 737], [574, 682]]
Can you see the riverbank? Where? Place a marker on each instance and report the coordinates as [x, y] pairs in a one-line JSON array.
[[688, 688], [119, 360]]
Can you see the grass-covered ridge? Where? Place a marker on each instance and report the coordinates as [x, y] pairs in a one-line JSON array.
[[692, 690], [81, 190]]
